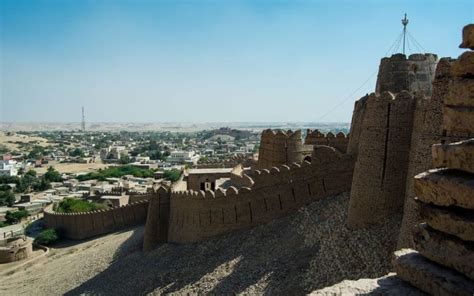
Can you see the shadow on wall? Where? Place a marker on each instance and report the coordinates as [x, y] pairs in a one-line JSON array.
[[284, 256]]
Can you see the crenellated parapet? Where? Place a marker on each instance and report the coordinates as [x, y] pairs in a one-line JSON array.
[[338, 141], [281, 147], [88, 224], [413, 74], [244, 160], [140, 196], [270, 194]]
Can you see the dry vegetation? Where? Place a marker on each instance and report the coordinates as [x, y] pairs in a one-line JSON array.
[[11, 141], [71, 168]]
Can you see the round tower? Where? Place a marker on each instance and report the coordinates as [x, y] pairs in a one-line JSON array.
[[414, 74]]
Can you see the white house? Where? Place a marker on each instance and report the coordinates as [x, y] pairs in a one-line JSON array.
[[8, 168], [182, 157]]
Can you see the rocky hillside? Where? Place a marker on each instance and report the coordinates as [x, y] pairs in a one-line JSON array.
[[309, 250]]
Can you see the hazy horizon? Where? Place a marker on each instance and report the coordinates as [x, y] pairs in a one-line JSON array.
[[205, 61]]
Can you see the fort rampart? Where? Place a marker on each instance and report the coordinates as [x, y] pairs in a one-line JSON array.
[[426, 132], [356, 126], [338, 141], [89, 224], [413, 74], [276, 192], [382, 160], [281, 147], [244, 160]]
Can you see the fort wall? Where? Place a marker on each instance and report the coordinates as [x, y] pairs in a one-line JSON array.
[[427, 131], [280, 147], [413, 74], [356, 126], [244, 160], [158, 217], [382, 161], [338, 141], [441, 261], [275, 192], [136, 197], [89, 224]]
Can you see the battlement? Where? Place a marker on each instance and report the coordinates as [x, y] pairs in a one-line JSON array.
[[338, 141], [281, 147], [88, 224], [272, 193], [236, 159], [281, 134], [413, 74]]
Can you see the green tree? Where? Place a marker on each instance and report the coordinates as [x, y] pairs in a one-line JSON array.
[[52, 175], [43, 184], [72, 205], [27, 181], [125, 159], [76, 153], [31, 173], [21, 171], [172, 175], [46, 237], [36, 152], [15, 217], [7, 198]]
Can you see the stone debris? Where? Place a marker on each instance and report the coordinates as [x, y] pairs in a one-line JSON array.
[[458, 222], [458, 155], [444, 249], [430, 277], [443, 263], [444, 187]]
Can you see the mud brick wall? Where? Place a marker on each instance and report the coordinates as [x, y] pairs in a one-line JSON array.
[[338, 141], [412, 74], [275, 192], [280, 147], [89, 224], [382, 162]]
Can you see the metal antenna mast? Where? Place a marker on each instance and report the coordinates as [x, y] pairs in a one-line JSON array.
[[404, 23], [83, 120]]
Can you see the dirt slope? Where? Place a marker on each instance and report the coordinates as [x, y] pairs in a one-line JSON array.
[[298, 254]]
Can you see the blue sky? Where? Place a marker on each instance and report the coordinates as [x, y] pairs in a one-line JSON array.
[[205, 61]]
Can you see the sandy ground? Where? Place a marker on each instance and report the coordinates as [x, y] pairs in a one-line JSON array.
[[4, 140], [295, 255], [71, 168]]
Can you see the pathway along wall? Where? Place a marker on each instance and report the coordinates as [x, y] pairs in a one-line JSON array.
[[382, 162], [196, 216], [85, 225]]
